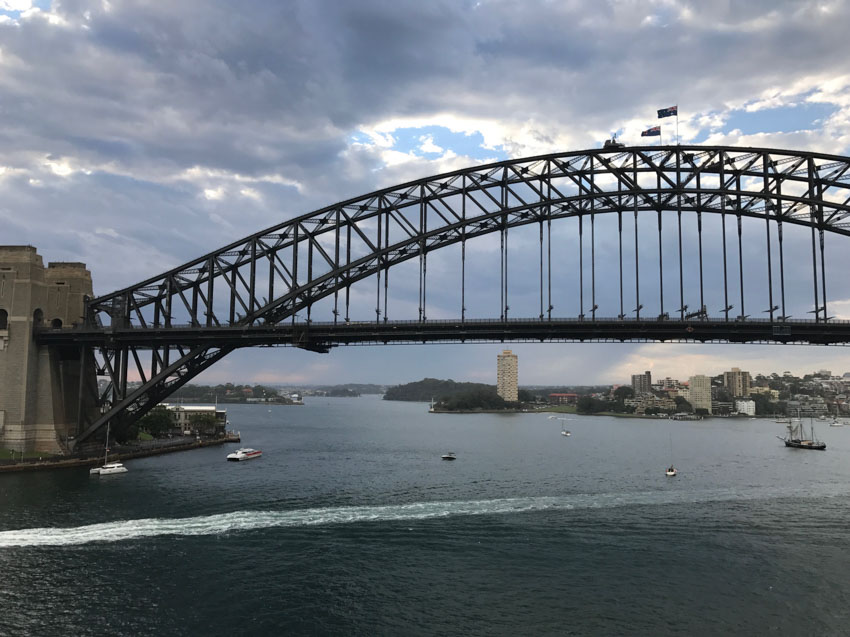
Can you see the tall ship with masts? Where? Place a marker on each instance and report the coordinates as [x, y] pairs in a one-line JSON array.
[[796, 437]]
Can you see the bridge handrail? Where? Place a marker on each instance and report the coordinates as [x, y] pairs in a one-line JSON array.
[[454, 322]]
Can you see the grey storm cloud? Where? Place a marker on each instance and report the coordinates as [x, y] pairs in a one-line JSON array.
[[138, 135]]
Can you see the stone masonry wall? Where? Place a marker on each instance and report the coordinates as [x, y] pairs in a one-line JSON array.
[[35, 381]]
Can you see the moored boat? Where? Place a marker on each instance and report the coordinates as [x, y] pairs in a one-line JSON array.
[[245, 453], [108, 468]]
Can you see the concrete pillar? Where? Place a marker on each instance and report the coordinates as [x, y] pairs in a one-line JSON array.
[[38, 385]]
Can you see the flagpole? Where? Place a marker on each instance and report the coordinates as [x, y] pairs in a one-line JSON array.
[[678, 139]]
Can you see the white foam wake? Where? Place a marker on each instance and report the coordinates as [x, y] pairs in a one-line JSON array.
[[252, 520]]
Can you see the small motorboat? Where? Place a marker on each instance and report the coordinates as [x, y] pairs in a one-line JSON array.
[[671, 471], [108, 468], [449, 456], [245, 453], [565, 433]]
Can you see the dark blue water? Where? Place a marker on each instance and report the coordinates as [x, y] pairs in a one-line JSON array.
[[351, 524]]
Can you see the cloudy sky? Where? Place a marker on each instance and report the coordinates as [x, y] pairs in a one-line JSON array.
[[137, 135]]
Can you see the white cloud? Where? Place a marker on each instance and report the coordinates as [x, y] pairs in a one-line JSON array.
[[213, 194], [428, 145], [250, 193], [15, 5]]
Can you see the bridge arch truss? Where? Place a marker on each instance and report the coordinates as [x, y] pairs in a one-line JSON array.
[[263, 289]]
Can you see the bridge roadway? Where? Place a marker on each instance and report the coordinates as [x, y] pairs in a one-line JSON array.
[[321, 336]]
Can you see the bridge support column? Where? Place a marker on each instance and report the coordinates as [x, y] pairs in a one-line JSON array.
[[39, 385]]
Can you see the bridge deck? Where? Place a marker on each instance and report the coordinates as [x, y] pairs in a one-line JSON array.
[[322, 336]]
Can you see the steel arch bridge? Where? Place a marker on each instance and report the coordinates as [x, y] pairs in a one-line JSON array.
[[263, 289]]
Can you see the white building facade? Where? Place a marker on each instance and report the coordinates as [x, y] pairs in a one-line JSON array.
[[747, 407]]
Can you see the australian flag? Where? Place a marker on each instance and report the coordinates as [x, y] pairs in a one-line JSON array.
[[668, 112], [651, 132]]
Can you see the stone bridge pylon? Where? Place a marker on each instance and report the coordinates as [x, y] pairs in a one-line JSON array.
[[39, 384]]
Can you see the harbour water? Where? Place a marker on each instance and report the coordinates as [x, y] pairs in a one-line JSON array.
[[351, 524]]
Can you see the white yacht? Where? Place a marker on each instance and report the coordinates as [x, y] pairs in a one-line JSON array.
[[108, 467], [245, 453]]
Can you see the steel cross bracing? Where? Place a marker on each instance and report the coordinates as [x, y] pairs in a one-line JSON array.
[[171, 327]]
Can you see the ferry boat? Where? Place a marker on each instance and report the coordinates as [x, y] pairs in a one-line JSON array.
[[245, 453]]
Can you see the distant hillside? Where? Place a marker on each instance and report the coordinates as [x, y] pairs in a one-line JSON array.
[[427, 388], [352, 389]]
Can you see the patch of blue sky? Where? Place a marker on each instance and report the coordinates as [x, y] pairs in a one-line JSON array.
[[360, 138], [700, 137], [411, 140], [13, 8], [783, 119]]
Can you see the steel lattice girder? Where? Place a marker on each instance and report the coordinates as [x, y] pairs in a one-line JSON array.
[[489, 201], [322, 253]]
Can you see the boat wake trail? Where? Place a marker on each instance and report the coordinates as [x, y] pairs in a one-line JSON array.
[[238, 521]]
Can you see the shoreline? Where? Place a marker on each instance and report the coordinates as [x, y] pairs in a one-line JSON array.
[[66, 462]]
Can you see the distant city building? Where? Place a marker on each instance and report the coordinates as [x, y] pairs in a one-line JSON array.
[[668, 383], [737, 382], [767, 391], [722, 407], [507, 376], [642, 403], [746, 406], [699, 392], [184, 415], [563, 399], [642, 383]]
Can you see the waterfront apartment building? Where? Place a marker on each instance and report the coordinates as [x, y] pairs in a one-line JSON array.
[[746, 406], [699, 392], [507, 376], [642, 383], [737, 382]]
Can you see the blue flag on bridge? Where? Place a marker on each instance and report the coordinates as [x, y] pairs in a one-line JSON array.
[[651, 132], [668, 112]]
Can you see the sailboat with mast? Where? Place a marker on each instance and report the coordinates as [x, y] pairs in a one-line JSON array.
[[564, 430], [796, 437], [671, 470], [108, 467]]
